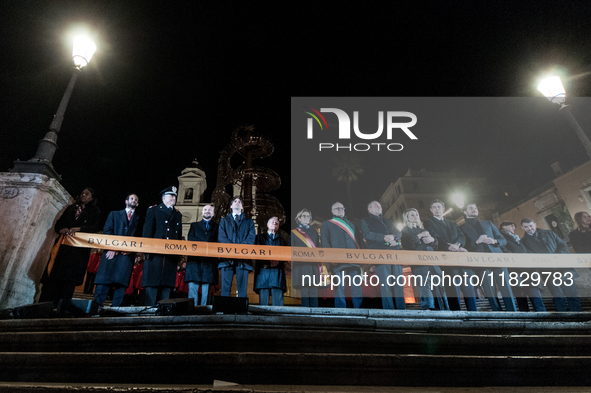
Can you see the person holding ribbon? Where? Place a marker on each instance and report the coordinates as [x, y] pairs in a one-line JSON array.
[[415, 237], [269, 276], [202, 271], [545, 241], [236, 228], [70, 264], [339, 232], [304, 236], [115, 268], [163, 221], [381, 234]]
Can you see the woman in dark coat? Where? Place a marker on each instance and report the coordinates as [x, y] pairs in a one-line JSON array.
[[581, 237], [70, 264], [304, 236], [415, 237]]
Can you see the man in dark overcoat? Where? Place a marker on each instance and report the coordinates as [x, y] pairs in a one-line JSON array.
[[71, 262], [451, 239], [269, 276], [565, 296], [202, 271], [381, 234], [163, 221], [235, 228], [515, 246], [339, 232], [483, 236], [115, 267]]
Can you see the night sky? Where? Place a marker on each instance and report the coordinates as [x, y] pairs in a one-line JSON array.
[[171, 80]]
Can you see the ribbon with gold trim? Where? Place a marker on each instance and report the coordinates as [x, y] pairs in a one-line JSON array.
[[334, 255]]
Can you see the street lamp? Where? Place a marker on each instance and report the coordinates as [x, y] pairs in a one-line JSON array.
[[553, 90], [458, 200], [83, 50]]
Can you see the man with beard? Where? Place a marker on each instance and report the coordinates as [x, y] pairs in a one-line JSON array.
[[451, 239], [162, 222], [115, 267], [381, 234], [339, 232], [202, 271], [483, 236], [547, 242], [235, 228]]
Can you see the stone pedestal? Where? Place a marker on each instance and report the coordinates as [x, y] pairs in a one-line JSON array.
[[29, 207]]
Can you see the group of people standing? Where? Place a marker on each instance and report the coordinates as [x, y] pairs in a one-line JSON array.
[[441, 234], [437, 233], [159, 273]]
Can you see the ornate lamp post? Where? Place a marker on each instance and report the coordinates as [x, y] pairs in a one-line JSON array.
[[553, 90], [84, 48]]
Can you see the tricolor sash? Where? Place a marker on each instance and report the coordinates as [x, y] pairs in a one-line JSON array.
[[303, 236], [322, 269], [345, 227]]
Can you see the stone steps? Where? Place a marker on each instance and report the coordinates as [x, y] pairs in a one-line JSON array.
[[297, 345]]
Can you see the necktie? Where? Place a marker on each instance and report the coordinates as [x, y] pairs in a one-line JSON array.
[[129, 214], [236, 218], [207, 225]]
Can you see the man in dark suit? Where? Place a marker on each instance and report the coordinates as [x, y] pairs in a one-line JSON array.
[[381, 234], [269, 276], [235, 228], [115, 267], [483, 236], [451, 239], [162, 222], [515, 246], [339, 232], [202, 271], [547, 242]]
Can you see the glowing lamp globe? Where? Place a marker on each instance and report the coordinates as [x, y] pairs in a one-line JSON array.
[[458, 200], [84, 48], [552, 89]]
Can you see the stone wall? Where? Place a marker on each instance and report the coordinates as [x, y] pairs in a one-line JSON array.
[[29, 207]]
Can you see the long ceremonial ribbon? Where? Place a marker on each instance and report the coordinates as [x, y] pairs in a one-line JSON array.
[[335, 255]]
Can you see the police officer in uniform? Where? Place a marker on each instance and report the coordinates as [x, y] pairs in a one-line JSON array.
[[162, 222]]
